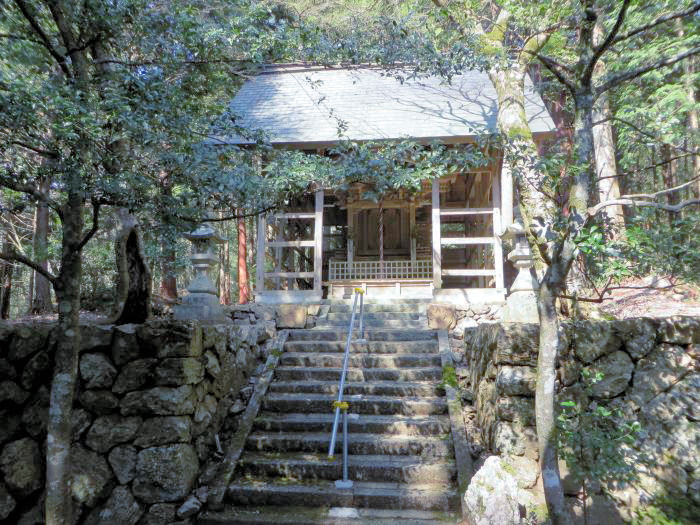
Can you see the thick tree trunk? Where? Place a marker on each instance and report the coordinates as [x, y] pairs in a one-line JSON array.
[[133, 288], [6, 271], [243, 289], [225, 272], [58, 440], [693, 120], [168, 281], [41, 297]]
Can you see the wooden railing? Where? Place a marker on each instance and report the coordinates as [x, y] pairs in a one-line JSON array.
[[360, 270]]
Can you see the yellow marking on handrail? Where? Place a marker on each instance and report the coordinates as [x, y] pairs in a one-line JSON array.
[[342, 405], [359, 290]]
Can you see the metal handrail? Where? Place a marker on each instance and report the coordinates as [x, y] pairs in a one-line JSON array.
[[339, 404]]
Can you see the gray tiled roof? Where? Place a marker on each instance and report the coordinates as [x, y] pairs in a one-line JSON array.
[[313, 105]]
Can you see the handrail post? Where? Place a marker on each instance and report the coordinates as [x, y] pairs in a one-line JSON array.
[[362, 317]]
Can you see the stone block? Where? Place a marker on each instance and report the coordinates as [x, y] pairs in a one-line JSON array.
[[658, 371], [313, 309], [166, 338], [617, 371], [164, 430], [160, 514], [179, 371], [134, 376], [80, 422], [594, 339], [120, 509], [291, 316], [679, 330], [108, 431], [519, 409], [515, 439], [441, 316], [37, 370], [638, 335], [12, 392], [22, 467], [211, 363], [97, 371], [35, 415], [11, 423], [517, 344], [161, 401], [516, 380], [7, 502], [91, 476], [165, 474], [7, 371], [95, 337], [123, 463], [125, 346], [99, 401], [215, 337], [28, 339]]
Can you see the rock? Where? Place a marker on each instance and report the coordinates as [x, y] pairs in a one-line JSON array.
[[525, 470], [516, 380], [99, 401], [120, 509], [36, 370], [617, 371], [160, 514], [163, 401], [211, 363], [11, 422], [80, 422], [237, 407], [125, 345], [312, 309], [165, 474], [291, 316], [599, 508], [7, 371], [7, 502], [28, 339], [91, 476], [22, 467], [520, 409], [95, 337], [569, 370], [441, 316], [638, 336], [493, 496], [11, 391], [108, 431], [169, 338], [35, 416], [123, 463], [658, 371], [97, 371], [134, 376], [179, 371], [164, 430], [679, 330], [594, 339], [189, 508], [515, 439]]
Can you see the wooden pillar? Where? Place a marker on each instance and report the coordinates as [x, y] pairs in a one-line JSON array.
[[437, 248], [318, 240], [351, 234], [412, 229], [260, 262], [507, 201]]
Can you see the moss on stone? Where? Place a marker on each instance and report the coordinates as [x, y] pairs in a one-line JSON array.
[[449, 376]]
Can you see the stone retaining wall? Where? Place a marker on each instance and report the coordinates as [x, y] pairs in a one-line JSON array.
[[651, 370], [150, 399]]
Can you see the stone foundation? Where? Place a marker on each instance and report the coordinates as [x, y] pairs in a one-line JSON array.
[[651, 371], [150, 400]]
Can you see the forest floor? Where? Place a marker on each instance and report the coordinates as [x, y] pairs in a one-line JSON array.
[[660, 300]]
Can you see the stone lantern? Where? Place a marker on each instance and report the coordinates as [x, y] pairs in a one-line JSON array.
[[202, 301], [521, 304]]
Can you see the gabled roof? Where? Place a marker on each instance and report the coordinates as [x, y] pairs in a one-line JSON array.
[[298, 105]]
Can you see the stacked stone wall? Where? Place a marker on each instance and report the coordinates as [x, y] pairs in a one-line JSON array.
[[651, 371], [150, 401]]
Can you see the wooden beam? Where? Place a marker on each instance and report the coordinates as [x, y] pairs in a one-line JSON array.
[[260, 266], [291, 244], [507, 201], [351, 235], [469, 272], [437, 247], [318, 241], [466, 211], [412, 229], [467, 240], [497, 230], [290, 275], [305, 215]]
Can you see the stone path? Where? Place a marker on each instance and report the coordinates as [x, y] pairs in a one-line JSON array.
[[401, 452]]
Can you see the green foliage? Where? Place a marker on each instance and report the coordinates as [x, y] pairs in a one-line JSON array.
[[667, 510], [595, 440]]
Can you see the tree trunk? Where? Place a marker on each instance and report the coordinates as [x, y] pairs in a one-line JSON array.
[[133, 287], [58, 439], [225, 271], [604, 147], [243, 290], [6, 271], [41, 297], [168, 281]]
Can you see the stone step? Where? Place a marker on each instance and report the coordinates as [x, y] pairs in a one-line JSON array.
[[374, 316], [359, 404], [337, 334], [375, 444], [392, 302], [305, 467], [377, 388], [324, 493], [335, 360], [285, 515], [382, 323], [433, 425], [303, 373], [371, 347]]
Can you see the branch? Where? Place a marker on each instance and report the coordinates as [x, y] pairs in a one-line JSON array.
[[13, 256], [661, 192], [599, 50], [45, 41], [645, 133], [35, 149], [615, 80], [553, 66], [672, 208], [656, 22], [96, 204]]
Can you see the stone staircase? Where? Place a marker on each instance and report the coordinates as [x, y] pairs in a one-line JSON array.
[[401, 455]]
